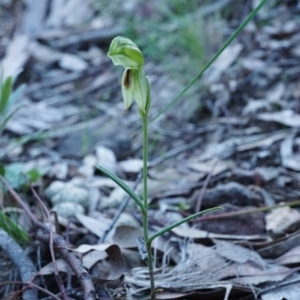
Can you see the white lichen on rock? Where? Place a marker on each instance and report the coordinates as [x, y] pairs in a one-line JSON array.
[[71, 195]]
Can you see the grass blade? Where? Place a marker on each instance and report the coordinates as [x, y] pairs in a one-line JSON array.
[[8, 225], [123, 186], [5, 93], [212, 60], [176, 224]]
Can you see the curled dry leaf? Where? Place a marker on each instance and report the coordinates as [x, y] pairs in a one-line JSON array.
[[290, 258], [202, 234], [131, 165], [289, 158], [106, 158], [72, 62], [282, 220], [289, 290], [232, 192], [238, 253], [96, 226], [285, 117], [112, 263]]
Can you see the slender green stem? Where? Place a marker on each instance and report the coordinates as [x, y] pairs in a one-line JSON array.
[[145, 198], [170, 227], [123, 186], [212, 60], [151, 272], [145, 161]]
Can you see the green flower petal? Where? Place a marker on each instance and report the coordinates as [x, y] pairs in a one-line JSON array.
[[140, 86], [127, 91], [135, 86], [124, 52]]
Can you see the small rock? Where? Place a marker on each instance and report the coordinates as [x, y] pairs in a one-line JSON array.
[[54, 188], [68, 209], [74, 191], [73, 194]]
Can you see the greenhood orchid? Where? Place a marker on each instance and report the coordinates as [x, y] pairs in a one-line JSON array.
[[135, 84]]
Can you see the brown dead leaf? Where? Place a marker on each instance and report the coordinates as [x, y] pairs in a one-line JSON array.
[[227, 57], [106, 158], [246, 274], [95, 226], [285, 117], [279, 248], [43, 53], [71, 62], [201, 234], [238, 253], [210, 166], [289, 258], [289, 158], [244, 224], [232, 192], [16, 56], [111, 264], [282, 220], [34, 16], [131, 165], [112, 268], [115, 199], [67, 13], [289, 290], [125, 236]]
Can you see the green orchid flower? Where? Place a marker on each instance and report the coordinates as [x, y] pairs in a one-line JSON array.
[[124, 52], [135, 84]]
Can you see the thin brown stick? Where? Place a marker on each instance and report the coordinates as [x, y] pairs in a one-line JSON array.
[[58, 279], [203, 189], [78, 269], [30, 285], [246, 211]]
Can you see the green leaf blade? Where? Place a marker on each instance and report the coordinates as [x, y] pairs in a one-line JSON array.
[[123, 186], [5, 94], [8, 225], [176, 224]]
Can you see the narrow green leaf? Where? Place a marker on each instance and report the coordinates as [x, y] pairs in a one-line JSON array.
[[123, 186], [2, 170], [170, 227], [7, 224], [5, 94]]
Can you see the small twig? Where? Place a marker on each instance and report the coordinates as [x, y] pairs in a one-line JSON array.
[[174, 152], [119, 212], [20, 259], [78, 269], [246, 211], [279, 285], [58, 279], [91, 36], [30, 285], [203, 189], [57, 81]]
